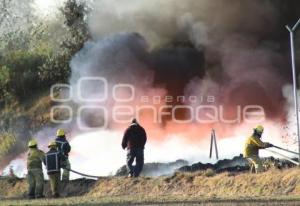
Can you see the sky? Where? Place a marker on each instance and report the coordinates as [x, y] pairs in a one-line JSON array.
[[46, 8]]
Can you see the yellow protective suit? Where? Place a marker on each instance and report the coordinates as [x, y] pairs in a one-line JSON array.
[[253, 144]]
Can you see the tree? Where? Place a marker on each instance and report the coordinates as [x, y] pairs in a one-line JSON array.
[[75, 14], [56, 69]]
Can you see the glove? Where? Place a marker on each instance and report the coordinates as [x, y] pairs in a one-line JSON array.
[[269, 145]]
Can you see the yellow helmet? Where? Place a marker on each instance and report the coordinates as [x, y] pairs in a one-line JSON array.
[[52, 144], [32, 143], [259, 128], [60, 132]]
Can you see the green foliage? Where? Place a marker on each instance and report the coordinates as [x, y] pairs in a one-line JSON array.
[[30, 63], [4, 84], [7, 141], [74, 14], [56, 68], [21, 70]]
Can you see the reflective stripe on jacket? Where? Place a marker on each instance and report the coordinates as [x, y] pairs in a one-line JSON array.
[[53, 160], [63, 145]]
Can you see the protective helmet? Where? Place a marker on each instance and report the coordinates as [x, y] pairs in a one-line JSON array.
[[32, 143], [60, 132], [52, 144], [259, 129]]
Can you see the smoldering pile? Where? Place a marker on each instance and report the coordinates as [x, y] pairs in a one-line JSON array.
[[236, 164], [156, 169]]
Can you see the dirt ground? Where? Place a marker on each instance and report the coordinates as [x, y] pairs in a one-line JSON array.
[[125, 200]]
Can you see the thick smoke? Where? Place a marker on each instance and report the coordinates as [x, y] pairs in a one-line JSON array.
[[236, 53]]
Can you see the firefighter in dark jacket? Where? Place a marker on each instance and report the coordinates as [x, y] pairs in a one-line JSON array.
[[64, 148], [134, 141], [53, 160]]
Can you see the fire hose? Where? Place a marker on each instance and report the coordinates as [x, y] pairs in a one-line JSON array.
[[82, 174], [286, 150], [283, 156]]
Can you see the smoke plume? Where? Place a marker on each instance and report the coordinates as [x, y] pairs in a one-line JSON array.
[[191, 48]]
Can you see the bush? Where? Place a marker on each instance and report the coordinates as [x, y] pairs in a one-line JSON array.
[[74, 13], [20, 70], [55, 70], [4, 86], [7, 141], [30, 64]]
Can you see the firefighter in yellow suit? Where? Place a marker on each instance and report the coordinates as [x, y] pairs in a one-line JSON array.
[[252, 146], [35, 175]]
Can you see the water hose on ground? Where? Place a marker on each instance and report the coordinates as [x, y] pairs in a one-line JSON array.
[[85, 175]]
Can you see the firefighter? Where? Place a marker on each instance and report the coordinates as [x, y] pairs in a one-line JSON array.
[[134, 141], [53, 159], [252, 146], [64, 148], [35, 175]]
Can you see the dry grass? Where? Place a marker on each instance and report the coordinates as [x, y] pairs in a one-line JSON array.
[[205, 187], [39, 112], [12, 187], [206, 184]]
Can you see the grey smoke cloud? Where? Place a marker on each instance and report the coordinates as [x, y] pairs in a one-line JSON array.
[[244, 47], [160, 21]]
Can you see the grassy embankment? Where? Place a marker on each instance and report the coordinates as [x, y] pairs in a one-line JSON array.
[[274, 187]]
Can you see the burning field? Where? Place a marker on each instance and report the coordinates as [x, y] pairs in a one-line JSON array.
[[182, 68]]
